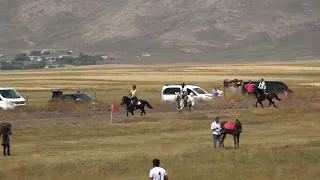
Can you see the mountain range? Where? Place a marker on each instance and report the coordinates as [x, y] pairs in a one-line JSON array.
[[212, 28]]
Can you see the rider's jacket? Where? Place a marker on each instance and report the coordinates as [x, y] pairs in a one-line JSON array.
[[133, 93], [262, 85]]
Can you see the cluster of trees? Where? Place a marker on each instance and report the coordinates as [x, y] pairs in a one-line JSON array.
[[81, 60], [23, 61]]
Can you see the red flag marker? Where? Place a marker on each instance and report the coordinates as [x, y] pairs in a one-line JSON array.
[[287, 94]]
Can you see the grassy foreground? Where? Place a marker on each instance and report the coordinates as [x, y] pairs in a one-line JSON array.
[[285, 145]]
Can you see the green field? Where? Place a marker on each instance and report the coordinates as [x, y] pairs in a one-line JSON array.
[[276, 144]]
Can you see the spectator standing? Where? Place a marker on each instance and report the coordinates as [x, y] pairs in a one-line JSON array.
[[220, 92], [233, 88], [214, 91], [157, 172], [216, 128], [249, 87]]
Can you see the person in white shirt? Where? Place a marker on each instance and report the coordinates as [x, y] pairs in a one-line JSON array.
[[157, 172], [233, 88], [220, 93], [184, 91], [216, 128], [262, 86]]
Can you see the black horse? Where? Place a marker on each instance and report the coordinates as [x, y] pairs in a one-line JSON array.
[[235, 131], [5, 131], [261, 97], [140, 105]]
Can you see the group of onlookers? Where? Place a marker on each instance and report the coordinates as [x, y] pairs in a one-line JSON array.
[[233, 89], [216, 91]]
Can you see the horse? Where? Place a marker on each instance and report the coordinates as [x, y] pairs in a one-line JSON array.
[[140, 105], [261, 97], [5, 131], [181, 102], [232, 128]]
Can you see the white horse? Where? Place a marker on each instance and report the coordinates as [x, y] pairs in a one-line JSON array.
[[190, 101]]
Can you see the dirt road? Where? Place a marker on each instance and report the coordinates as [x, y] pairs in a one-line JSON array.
[[23, 119]]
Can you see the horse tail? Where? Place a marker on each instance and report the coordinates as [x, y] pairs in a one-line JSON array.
[[149, 106], [276, 96]]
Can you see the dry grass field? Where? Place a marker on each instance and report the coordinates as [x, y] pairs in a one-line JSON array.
[[277, 144]]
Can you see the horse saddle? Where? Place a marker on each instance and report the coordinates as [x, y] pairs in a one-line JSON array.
[[138, 102], [230, 125]]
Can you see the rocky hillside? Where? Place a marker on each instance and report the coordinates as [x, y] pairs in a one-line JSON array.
[[164, 26]]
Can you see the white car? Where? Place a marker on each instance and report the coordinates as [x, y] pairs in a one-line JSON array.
[[10, 98], [169, 92]]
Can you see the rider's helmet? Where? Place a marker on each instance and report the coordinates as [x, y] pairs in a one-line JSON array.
[[261, 79], [191, 93], [134, 86]]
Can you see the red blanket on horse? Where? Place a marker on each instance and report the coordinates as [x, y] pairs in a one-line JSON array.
[[229, 125]]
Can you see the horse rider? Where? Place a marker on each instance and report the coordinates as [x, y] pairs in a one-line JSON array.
[[133, 95], [184, 91], [262, 86]]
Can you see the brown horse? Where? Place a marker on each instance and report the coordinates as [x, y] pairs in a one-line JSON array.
[[5, 131], [261, 97], [235, 130]]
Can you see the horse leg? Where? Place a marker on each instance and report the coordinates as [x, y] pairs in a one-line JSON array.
[[274, 104], [238, 140], [261, 104], [235, 141], [222, 139], [127, 113], [8, 149], [270, 101], [256, 103], [144, 111], [4, 149]]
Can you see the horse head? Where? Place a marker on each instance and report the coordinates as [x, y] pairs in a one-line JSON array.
[[255, 91], [238, 125], [125, 100]]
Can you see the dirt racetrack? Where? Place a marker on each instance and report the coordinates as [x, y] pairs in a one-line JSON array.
[[23, 119]]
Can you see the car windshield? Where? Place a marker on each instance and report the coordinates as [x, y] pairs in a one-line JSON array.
[[9, 93], [200, 91], [84, 97]]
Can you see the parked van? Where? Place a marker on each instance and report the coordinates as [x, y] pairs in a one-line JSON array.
[[10, 98], [169, 92], [272, 86]]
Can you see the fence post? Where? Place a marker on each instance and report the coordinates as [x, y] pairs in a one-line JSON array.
[[27, 100], [95, 94]]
